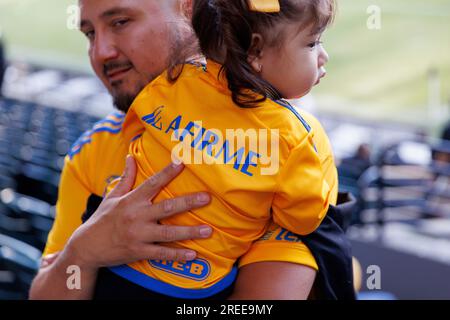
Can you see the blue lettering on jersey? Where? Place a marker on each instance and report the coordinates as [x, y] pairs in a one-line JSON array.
[[205, 139], [154, 119], [174, 125], [286, 235], [197, 270]]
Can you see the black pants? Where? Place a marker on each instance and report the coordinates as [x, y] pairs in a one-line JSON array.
[[328, 244], [110, 286], [332, 251]]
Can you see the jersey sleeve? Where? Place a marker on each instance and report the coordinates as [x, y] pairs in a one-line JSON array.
[[325, 151], [302, 198], [92, 161], [72, 198], [280, 245]]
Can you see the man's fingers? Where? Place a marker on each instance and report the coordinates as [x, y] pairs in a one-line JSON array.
[[153, 185], [127, 180], [49, 259], [168, 233], [182, 204], [154, 252]]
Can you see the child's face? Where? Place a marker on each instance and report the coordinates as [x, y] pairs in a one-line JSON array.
[[296, 65]]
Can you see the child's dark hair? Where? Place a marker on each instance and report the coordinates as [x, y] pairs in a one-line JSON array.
[[224, 29]]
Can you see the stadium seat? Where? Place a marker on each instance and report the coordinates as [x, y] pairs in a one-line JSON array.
[[34, 139], [399, 188], [19, 260], [25, 218], [38, 181]]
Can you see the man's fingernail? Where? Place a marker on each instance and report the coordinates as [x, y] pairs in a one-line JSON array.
[[205, 231], [190, 255], [203, 197], [176, 163]]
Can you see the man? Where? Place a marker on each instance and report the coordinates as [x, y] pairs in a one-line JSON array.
[[130, 43]]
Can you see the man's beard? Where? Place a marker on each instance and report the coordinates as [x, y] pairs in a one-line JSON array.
[[124, 100], [178, 54]]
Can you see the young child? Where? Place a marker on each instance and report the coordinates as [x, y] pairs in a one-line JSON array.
[[258, 52]]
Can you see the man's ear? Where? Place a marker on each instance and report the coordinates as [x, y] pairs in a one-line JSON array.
[[256, 51], [186, 8]]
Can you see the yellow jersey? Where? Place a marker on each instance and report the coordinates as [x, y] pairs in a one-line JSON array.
[[257, 163], [98, 157]]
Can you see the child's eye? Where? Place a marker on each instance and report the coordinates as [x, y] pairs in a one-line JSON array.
[[315, 44]]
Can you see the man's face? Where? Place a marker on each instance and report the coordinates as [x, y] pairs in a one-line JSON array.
[[130, 42]]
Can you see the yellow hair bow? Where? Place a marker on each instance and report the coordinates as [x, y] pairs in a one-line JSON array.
[[268, 6]]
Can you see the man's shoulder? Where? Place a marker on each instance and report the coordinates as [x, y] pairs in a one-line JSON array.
[[102, 138], [98, 156]]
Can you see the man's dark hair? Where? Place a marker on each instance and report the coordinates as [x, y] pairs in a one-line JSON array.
[[224, 29]]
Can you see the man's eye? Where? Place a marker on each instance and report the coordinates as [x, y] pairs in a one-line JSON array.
[[120, 22], [89, 34]]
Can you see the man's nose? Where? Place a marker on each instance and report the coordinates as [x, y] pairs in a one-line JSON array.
[[104, 49], [323, 57]]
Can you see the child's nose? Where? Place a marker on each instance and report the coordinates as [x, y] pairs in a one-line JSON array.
[[323, 57]]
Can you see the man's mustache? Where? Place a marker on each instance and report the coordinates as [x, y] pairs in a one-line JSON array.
[[116, 65]]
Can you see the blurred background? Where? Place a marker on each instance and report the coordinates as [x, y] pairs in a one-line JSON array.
[[385, 104]]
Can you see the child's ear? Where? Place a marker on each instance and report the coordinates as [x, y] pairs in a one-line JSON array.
[[186, 7], [256, 51]]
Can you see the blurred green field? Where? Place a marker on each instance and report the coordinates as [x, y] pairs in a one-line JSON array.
[[376, 74], [383, 73], [36, 30]]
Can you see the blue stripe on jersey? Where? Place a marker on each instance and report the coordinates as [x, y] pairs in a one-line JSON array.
[[100, 126], [118, 114], [160, 287], [110, 121], [295, 112], [137, 137], [107, 129], [76, 148], [288, 106]]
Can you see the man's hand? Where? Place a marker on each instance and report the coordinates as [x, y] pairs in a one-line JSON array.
[[125, 227]]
